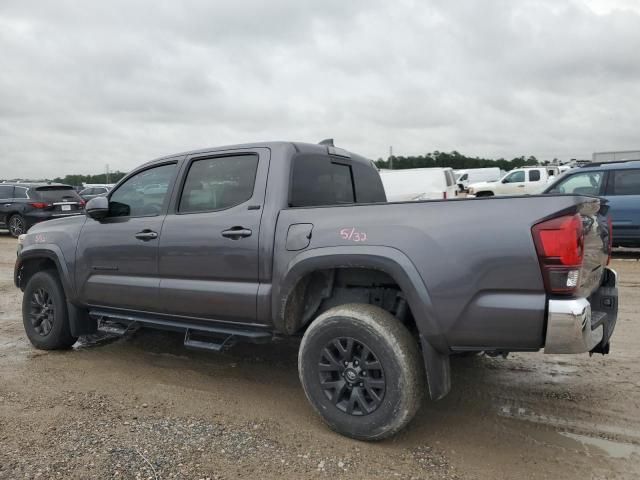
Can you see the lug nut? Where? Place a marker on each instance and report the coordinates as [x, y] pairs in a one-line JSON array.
[[356, 363], [364, 374]]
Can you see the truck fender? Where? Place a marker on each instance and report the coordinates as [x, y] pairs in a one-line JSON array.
[[54, 253], [387, 259], [79, 320]]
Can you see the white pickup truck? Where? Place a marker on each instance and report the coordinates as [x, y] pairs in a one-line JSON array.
[[521, 181]]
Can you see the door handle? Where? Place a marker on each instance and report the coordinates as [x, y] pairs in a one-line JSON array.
[[236, 233], [7, 204], [146, 235], [520, 186]]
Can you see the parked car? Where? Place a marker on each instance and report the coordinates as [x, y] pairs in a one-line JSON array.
[[520, 181], [619, 183], [419, 184], [24, 204], [91, 192], [476, 175], [269, 239]]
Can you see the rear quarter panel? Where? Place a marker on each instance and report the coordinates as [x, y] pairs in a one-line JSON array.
[[476, 259]]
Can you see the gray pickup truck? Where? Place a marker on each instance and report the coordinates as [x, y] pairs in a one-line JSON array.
[[252, 242]]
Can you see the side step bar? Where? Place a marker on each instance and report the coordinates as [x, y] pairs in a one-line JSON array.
[[211, 336]]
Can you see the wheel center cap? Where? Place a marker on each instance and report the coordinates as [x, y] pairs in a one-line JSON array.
[[350, 375]]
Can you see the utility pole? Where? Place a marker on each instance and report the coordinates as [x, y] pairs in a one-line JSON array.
[[391, 157], [107, 175]]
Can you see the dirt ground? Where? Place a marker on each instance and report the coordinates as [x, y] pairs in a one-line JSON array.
[[144, 407]]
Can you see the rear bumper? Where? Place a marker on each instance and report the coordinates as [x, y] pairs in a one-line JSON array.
[[581, 325]]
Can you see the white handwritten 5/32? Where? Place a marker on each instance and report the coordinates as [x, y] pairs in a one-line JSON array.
[[352, 234]]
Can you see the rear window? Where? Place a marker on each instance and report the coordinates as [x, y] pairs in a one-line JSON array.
[[534, 175], [626, 182], [317, 180], [57, 194]]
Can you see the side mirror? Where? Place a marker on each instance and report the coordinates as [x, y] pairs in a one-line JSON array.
[[504, 180], [97, 208]]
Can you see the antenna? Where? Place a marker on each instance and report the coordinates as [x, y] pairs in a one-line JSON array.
[[327, 141]]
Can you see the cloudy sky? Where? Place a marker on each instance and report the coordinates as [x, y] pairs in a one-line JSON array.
[[83, 84]]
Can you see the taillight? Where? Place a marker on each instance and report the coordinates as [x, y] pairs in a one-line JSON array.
[[39, 205], [444, 195], [82, 203], [560, 246]]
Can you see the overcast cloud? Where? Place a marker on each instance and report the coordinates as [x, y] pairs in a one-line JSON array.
[[83, 84]]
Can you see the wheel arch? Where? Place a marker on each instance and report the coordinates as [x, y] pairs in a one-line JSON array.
[[32, 260], [290, 291]]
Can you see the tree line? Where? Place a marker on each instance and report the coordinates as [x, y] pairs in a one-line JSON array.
[[454, 160]]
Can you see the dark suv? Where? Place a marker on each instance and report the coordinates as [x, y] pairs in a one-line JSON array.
[[24, 204]]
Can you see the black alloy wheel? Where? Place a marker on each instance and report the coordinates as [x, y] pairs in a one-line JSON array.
[[351, 376], [16, 226], [42, 311]]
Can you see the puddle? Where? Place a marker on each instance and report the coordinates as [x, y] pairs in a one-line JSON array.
[[527, 415], [611, 448]]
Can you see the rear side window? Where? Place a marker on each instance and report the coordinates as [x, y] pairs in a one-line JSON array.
[[534, 175], [367, 181], [218, 183], [54, 194], [20, 192], [317, 180], [626, 182]]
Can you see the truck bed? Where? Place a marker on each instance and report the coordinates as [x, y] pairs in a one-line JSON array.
[[476, 259]]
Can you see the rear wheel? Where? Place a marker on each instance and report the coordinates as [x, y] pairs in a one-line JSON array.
[[44, 312], [17, 225], [362, 371]]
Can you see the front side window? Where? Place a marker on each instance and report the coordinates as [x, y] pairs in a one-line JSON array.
[[143, 194], [6, 192], [515, 177], [218, 183], [626, 182], [317, 180], [534, 175], [587, 183]]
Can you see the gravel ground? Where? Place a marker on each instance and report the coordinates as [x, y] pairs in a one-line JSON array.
[[144, 407]]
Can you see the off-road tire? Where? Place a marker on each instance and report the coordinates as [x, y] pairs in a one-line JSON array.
[[390, 343], [50, 331]]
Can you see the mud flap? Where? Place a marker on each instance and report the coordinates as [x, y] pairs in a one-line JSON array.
[[438, 370], [80, 322]]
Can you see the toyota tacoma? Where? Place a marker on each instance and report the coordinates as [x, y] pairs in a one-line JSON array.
[[258, 241]]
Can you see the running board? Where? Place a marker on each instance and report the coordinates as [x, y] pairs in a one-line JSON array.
[[212, 336], [207, 342]]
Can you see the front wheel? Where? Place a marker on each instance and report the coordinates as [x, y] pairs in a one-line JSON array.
[[17, 225], [44, 312], [362, 371]]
